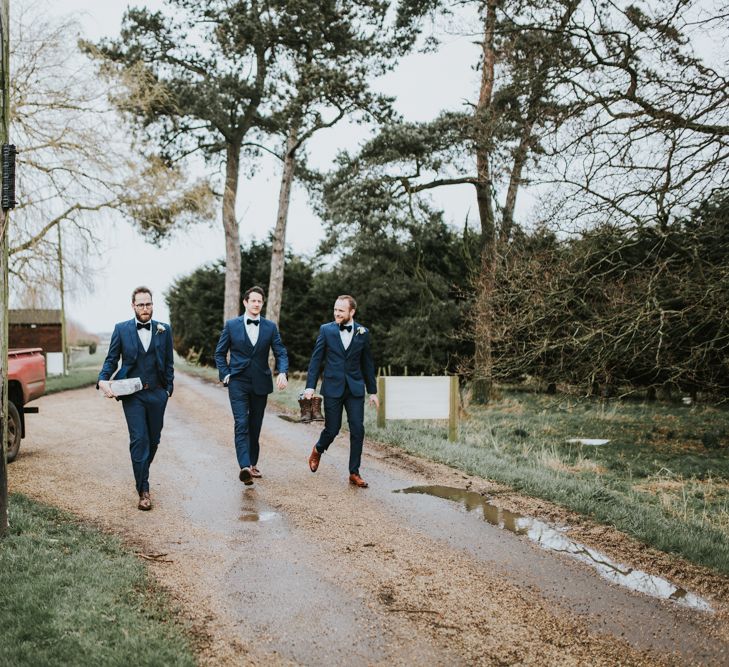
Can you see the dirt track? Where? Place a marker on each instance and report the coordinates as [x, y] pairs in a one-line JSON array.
[[304, 569]]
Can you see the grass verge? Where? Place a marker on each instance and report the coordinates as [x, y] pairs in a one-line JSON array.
[[73, 596], [82, 372]]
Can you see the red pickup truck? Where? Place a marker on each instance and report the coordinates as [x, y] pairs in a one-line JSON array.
[[26, 381]]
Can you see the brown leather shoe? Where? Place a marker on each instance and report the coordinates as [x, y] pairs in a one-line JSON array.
[[145, 502], [358, 481], [246, 476], [314, 459], [255, 472]]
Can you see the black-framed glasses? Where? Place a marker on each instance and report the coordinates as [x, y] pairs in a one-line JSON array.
[[143, 305]]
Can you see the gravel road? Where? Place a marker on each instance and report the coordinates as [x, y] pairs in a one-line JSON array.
[[305, 569]]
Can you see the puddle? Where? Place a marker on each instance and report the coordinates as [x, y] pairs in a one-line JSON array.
[[258, 516], [553, 539]]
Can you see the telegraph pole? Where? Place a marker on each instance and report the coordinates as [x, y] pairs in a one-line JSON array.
[[64, 342], [4, 217]]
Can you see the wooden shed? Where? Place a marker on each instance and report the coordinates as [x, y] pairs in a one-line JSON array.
[[30, 327], [35, 327]]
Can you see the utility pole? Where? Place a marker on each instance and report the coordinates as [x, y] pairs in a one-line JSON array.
[[64, 343], [4, 217]]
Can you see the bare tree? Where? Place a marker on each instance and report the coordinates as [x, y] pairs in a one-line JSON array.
[[75, 166], [651, 140]]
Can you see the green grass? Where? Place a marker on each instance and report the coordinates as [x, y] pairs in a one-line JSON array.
[[82, 372], [74, 596]]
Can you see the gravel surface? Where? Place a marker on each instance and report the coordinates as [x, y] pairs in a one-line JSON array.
[[305, 569]]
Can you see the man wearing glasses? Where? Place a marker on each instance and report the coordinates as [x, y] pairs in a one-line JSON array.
[[145, 348]]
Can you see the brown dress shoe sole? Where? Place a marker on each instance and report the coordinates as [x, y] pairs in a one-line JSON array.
[[245, 476], [145, 504]]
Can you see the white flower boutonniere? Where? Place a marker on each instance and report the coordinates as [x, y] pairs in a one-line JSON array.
[[161, 328], [361, 330]]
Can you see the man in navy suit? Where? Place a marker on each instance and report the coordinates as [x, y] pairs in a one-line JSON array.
[[249, 339], [342, 350], [145, 348]]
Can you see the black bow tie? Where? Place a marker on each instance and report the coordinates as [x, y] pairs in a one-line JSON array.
[[147, 326], [348, 327], [250, 321]]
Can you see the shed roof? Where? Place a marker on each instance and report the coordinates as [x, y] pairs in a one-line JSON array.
[[34, 316]]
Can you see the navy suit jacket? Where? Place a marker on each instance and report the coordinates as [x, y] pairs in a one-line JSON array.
[[340, 368], [243, 354], [125, 344]]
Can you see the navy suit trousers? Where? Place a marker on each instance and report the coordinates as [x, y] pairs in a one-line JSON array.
[[333, 407], [144, 412], [248, 409]]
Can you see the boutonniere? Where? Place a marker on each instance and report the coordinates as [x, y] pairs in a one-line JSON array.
[[361, 330], [161, 328]]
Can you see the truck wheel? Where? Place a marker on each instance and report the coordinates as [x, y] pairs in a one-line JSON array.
[[14, 432]]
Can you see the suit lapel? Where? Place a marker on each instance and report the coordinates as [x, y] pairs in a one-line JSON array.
[[263, 329], [153, 344], [337, 335], [352, 339], [133, 341]]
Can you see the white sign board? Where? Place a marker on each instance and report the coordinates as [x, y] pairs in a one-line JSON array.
[[54, 363], [416, 397]]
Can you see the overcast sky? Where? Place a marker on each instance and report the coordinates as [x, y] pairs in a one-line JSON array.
[[423, 84]]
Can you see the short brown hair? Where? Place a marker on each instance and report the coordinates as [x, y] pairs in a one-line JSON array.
[[139, 290], [346, 297], [251, 290]]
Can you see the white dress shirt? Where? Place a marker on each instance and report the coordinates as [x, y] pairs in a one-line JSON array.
[[145, 335], [346, 336], [252, 329]]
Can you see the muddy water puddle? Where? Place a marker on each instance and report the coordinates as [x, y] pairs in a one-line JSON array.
[[553, 538]]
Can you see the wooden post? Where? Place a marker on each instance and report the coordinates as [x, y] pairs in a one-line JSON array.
[[453, 411], [381, 396]]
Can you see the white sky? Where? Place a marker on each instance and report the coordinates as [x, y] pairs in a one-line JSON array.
[[424, 85]]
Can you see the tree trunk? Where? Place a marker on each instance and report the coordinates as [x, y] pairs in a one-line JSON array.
[[231, 303], [482, 370], [517, 169], [482, 361], [278, 244]]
